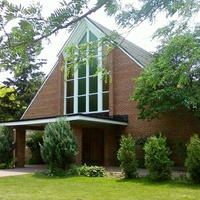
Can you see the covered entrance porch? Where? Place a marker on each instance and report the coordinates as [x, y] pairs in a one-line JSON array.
[[97, 137]]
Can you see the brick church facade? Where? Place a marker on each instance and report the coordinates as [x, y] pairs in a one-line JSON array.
[[99, 112]]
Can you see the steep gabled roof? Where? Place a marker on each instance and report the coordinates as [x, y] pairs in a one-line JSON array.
[[141, 56], [136, 53]]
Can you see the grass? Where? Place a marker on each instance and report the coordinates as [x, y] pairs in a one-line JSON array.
[[82, 188]]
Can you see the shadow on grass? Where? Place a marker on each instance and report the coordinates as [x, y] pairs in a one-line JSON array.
[[169, 183], [141, 180]]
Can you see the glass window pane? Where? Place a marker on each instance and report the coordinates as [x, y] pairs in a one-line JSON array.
[[93, 66], [93, 102], [105, 85], [93, 85], [106, 101], [70, 88], [81, 86], [70, 105], [92, 37], [82, 70], [84, 39], [81, 104]]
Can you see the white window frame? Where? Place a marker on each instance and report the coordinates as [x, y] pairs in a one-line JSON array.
[[99, 79]]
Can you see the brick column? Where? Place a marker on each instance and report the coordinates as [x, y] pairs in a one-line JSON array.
[[20, 137], [78, 134]]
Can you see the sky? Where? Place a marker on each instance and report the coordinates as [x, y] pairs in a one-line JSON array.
[[140, 35]]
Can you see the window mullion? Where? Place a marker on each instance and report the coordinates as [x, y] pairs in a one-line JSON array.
[[87, 75], [100, 89], [76, 91]]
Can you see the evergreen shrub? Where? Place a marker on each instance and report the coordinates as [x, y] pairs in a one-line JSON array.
[[6, 148], [127, 157], [157, 159], [193, 158], [59, 147]]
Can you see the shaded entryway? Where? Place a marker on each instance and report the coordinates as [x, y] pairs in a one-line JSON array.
[[93, 146]]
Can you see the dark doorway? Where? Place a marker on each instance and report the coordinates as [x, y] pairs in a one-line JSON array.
[[93, 146]]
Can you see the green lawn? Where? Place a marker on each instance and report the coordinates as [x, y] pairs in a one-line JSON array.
[[79, 188]]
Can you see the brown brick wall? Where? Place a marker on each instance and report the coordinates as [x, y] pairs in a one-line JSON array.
[[50, 99], [50, 102], [176, 128]]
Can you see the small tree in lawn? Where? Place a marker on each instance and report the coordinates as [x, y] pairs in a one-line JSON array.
[[59, 147], [6, 147], [193, 158], [127, 157], [157, 158]]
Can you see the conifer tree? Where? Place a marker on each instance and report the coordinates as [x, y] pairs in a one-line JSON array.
[[59, 147]]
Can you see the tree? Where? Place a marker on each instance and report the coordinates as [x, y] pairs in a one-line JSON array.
[[32, 27], [22, 63], [6, 147], [69, 13], [172, 80], [59, 147]]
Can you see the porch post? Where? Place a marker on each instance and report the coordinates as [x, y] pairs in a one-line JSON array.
[[78, 134], [19, 153]]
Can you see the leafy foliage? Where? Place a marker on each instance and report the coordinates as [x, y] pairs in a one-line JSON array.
[[59, 147], [7, 99], [127, 157], [19, 56], [157, 158], [193, 158], [133, 14], [172, 80], [89, 171], [34, 140], [6, 147], [55, 172]]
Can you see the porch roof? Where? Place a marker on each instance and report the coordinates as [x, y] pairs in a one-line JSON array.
[[78, 119]]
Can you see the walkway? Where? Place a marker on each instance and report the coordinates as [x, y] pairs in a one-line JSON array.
[[28, 169], [31, 169]]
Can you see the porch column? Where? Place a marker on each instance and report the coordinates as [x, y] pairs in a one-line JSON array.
[[19, 153], [78, 134]]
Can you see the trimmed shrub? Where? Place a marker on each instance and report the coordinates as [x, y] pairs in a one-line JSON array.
[[6, 148], [127, 157], [193, 158], [89, 171], [59, 147], [34, 140], [95, 171], [157, 158]]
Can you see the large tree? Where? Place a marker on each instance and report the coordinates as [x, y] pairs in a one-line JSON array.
[[70, 12], [172, 80], [24, 68], [33, 27]]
